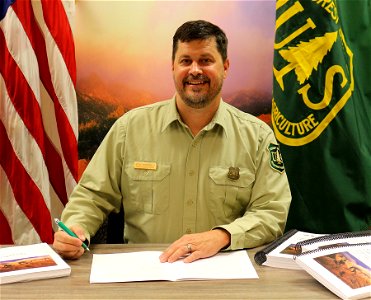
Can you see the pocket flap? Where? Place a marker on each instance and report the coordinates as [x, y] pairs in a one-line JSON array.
[[220, 176]]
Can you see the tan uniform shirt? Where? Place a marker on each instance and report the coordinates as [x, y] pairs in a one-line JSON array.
[[172, 183]]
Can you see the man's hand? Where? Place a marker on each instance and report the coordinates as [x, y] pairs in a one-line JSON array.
[[196, 246], [68, 246]]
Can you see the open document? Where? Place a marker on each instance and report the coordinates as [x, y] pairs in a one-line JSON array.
[[146, 266]]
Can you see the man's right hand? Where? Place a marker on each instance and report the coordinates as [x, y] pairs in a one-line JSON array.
[[68, 246]]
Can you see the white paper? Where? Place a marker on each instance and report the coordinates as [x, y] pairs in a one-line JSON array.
[[146, 266]]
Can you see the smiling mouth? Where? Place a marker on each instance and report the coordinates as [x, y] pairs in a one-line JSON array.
[[195, 81]]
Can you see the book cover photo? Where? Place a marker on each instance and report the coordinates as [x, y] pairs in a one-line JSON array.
[[345, 270], [348, 268]]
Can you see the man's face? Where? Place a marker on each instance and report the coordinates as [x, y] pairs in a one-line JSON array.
[[198, 72]]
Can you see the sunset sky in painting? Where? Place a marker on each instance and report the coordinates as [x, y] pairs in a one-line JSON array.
[[129, 42]]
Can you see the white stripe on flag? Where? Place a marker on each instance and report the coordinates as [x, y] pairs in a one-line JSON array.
[[28, 64], [63, 85], [23, 144], [31, 130], [22, 230], [20, 48], [64, 89]]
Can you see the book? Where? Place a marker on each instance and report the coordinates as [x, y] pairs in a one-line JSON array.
[[336, 239], [345, 269], [280, 252], [31, 262], [146, 266]]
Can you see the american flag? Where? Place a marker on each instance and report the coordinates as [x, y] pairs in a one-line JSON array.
[[38, 117]]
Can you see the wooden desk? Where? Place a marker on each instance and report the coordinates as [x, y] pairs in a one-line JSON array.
[[272, 284]]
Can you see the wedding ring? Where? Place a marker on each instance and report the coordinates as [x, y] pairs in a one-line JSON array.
[[189, 247]]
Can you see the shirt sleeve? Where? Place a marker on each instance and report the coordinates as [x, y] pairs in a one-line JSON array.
[[98, 191], [265, 217]]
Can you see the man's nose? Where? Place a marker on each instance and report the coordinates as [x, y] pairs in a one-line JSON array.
[[195, 69]]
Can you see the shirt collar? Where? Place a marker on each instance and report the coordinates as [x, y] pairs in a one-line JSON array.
[[173, 115], [219, 117]]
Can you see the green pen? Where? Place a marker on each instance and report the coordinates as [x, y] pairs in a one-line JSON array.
[[68, 231]]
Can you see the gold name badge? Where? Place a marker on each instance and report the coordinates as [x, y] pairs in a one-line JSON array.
[[143, 165]]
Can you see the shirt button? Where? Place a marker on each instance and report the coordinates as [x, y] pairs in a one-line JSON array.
[[190, 202], [191, 173], [188, 231]]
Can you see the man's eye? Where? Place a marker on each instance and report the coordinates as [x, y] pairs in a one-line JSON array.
[[206, 61], [185, 61]]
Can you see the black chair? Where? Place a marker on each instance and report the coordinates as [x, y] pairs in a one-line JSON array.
[[112, 230]]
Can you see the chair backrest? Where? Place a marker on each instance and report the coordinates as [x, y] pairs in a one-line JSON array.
[[112, 230]]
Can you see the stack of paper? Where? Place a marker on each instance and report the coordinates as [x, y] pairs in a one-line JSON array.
[[146, 266]]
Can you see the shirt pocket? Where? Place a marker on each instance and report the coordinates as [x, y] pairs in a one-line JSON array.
[[149, 189], [229, 196]]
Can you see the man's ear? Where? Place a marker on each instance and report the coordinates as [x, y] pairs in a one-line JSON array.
[[226, 67]]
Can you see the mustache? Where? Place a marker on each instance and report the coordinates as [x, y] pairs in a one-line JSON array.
[[196, 78]]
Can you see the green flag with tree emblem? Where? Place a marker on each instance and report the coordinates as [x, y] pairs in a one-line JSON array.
[[321, 111]]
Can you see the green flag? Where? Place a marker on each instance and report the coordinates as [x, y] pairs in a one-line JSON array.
[[321, 111]]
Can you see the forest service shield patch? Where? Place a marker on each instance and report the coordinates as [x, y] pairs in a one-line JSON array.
[[276, 160]]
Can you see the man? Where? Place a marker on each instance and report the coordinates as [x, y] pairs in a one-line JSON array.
[[192, 171]]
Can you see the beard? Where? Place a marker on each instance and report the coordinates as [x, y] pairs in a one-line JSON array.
[[198, 98]]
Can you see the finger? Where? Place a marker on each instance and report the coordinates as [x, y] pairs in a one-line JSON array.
[[79, 232], [174, 253], [194, 256], [169, 251], [165, 255], [72, 254], [181, 252], [66, 252], [67, 246], [66, 239]]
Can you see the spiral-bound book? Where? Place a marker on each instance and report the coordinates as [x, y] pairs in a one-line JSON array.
[[343, 267], [280, 253]]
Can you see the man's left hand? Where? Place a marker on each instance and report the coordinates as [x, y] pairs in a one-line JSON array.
[[196, 246]]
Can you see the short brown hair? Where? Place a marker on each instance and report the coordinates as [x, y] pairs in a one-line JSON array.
[[200, 30]]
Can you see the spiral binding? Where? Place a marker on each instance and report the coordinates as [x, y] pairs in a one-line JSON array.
[[331, 237], [261, 256], [330, 247]]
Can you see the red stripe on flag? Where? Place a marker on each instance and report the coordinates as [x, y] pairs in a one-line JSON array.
[[28, 108], [57, 22], [28, 196], [67, 136], [6, 233]]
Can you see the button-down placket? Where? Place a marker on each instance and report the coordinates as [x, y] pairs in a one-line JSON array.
[[191, 182]]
